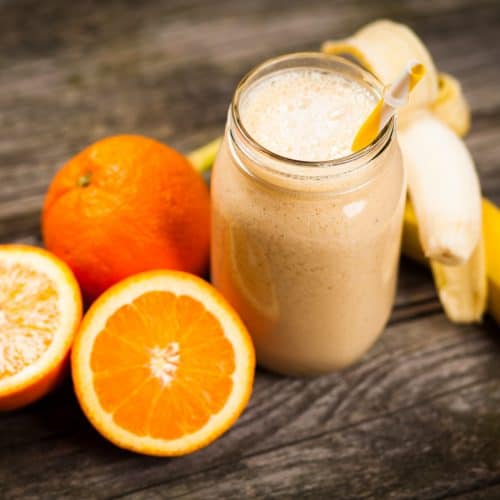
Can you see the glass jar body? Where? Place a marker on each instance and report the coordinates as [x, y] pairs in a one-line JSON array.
[[310, 263]]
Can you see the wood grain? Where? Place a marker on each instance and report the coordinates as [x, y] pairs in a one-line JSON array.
[[416, 437], [402, 379], [418, 417]]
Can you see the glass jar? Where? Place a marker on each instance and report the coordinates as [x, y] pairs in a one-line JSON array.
[[307, 252]]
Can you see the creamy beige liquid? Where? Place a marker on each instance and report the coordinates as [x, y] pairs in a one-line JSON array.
[[309, 264], [306, 115]]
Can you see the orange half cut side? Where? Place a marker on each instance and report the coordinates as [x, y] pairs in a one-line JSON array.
[[40, 310], [162, 365]]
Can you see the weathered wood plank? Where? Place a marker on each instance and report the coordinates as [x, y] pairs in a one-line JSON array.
[[397, 456], [487, 492]]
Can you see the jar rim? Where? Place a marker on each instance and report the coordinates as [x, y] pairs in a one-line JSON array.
[[303, 168]]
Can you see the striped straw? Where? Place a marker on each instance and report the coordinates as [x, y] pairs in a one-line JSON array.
[[394, 97]]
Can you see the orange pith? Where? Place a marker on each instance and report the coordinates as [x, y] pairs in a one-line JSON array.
[[40, 308], [28, 316], [162, 365]]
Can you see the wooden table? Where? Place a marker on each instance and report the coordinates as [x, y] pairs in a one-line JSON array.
[[419, 416]]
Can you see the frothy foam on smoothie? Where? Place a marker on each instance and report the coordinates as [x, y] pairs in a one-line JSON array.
[[306, 114]]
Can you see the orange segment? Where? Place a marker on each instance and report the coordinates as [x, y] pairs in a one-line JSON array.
[[162, 365], [40, 309]]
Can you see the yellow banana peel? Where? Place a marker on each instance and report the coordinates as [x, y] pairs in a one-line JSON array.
[[410, 244], [463, 288], [491, 232], [451, 106], [203, 158], [471, 299]]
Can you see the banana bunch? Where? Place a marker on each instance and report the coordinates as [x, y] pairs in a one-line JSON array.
[[443, 184]]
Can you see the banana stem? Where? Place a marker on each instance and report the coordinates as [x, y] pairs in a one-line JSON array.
[[203, 158]]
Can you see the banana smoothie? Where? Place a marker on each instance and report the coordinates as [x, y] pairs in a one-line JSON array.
[[306, 233]]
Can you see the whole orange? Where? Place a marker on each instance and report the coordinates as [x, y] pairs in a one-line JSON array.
[[124, 205]]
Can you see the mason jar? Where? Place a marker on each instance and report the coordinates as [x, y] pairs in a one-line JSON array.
[[307, 251]]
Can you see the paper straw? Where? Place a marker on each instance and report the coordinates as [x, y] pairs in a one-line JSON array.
[[394, 97]]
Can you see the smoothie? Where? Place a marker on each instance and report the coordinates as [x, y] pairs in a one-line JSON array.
[[306, 114], [306, 235]]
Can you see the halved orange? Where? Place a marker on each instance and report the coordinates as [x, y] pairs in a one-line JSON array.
[[40, 310], [162, 365]]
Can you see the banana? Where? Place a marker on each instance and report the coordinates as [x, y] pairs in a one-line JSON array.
[[203, 158], [445, 193], [444, 188], [410, 243], [451, 106], [491, 236], [463, 289], [491, 231]]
